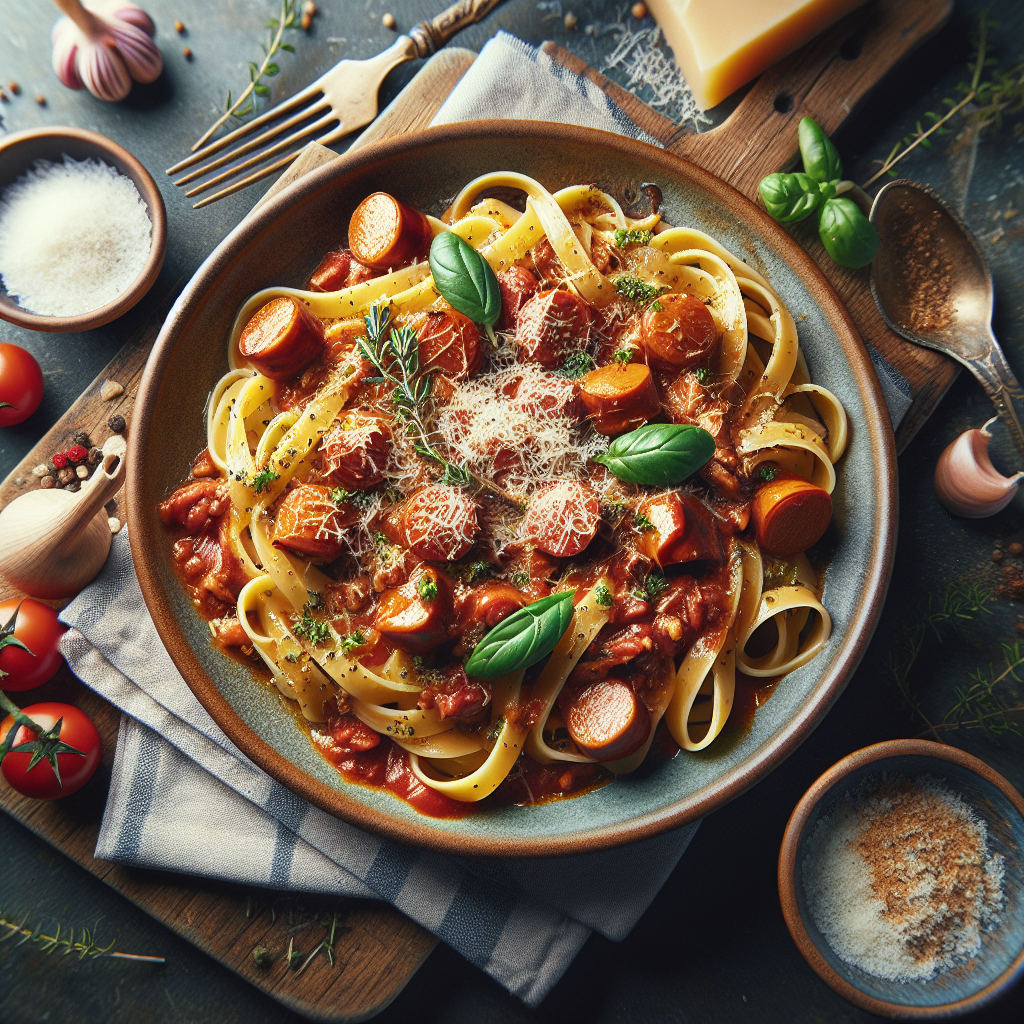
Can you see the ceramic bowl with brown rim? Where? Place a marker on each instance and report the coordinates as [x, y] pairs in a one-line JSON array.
[[18, 154], [1000, 961], [280, 244]]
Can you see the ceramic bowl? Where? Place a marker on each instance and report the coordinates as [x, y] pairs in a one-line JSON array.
[[18, 152], [281, 243], [1001, 959]]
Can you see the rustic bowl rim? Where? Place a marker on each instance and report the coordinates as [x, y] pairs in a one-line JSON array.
[[143, 533], [798, 821], [143, 180]]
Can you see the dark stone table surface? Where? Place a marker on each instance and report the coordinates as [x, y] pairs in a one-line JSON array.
[[713, 947]]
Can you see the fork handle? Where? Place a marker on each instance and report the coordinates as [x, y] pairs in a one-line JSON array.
[[995, 375], [430, 36]]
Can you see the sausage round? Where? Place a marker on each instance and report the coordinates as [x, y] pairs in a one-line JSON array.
[[339, 270], [551, 325], [563, 519], [355, 450], [440, 524], [515, 285], [547, 396], [385, 233], [281, 338], [450, 342], [677, 331], [607, 720], [619, 397], [309, 523], [790, 514], [411, 621], [682, 530]]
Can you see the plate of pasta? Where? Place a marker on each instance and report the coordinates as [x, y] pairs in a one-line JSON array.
[[512, 488]]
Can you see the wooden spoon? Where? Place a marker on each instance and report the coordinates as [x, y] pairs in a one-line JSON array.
[[55, 542]]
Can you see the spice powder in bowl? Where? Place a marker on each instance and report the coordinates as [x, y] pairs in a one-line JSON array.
[[900, 879], [73, 237]]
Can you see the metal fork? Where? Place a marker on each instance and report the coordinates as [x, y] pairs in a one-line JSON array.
[[347, 94]]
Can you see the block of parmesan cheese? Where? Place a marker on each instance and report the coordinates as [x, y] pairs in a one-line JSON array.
[[720, 45]]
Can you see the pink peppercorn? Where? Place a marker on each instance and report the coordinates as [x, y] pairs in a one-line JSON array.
[[60, 460], [77, 453]]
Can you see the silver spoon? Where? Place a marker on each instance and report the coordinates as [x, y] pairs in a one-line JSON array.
[[932, 286]]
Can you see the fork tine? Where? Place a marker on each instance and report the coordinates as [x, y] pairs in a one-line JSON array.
[[247, 181], [263, 155], [255, 143], [269, 115]]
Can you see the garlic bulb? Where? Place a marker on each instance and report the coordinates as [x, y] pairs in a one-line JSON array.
[[104, 47], [967, 483]]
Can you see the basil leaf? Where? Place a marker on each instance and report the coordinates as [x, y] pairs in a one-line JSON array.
[[524, 638], [821, 159], [848, 236], [464, 278], [659, 454], [790, 197]]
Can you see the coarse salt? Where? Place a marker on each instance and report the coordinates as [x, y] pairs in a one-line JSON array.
[[73, 236]]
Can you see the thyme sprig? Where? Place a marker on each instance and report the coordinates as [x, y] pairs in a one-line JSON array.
[[288, 18], [993, 97], [81, 945]]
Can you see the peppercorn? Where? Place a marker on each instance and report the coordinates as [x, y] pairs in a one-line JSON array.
[[15, 88], [388, 21], [639, 11], [41, 100], [117, 423], [65, 476], [95, 456], [1015, 548], [305, 21], [179, 28], [82, 438], [60, 460], [569, 21], [187, 53], [3, 96], [77, 453]]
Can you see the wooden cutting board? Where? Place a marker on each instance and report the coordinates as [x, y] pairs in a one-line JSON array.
[[382, 949]]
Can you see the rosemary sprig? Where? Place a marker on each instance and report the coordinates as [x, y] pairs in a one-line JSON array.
[[327, 945], [1001, 94], [246, 102], [82, 946]]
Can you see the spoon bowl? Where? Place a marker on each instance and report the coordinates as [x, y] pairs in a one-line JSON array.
[[932, 285]]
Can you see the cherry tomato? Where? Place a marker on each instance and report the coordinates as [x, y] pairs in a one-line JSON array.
[[76, 770], [21, 385], [38, 629]]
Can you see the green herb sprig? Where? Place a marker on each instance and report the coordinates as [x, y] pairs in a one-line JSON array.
[[465, 279], [287, 18], [849, 237], [576, 365], [635, 289], [626, 237], [659, 454], [263, 479], [316, 631], [81, 945]]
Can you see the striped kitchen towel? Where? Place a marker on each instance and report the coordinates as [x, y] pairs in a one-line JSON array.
[[184, 798]]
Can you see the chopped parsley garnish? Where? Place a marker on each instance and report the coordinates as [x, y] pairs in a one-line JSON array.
[[634, 236], [623, 355], [703, 375], [654, 585], [427, 589], [263, 479], [293, 657], [613, 511], [339, 496], [642, 523], [314, 630], [637, 290], [316, 600], [495, 730], [477, 571], [603, 596], [769, 473], [352, 641], [576, 365], [519, 579], [657, 306]]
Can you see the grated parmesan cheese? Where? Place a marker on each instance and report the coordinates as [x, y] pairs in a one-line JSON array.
[[73, 237], [900, 880]]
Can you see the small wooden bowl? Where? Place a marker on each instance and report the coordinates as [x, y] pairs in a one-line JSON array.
[[1001, 959], [18, 152]]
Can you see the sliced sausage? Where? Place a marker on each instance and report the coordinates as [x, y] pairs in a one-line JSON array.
[[490, 602], [607, 720], [385, 233], [619, 397], [563, 519], [339, 270], [547, 396], [415, 615], [450, 342], [282, 338], [456, 696], [355, 450], [309, 523], [677, 331], [546, 262], [551, 325], [682, 530], [439, 524], [516, 285], [790, 514]]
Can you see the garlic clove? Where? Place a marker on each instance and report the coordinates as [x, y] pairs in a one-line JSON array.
[[128, 13], [65, 53], [140, 54], [103, 72], [967, 483]]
